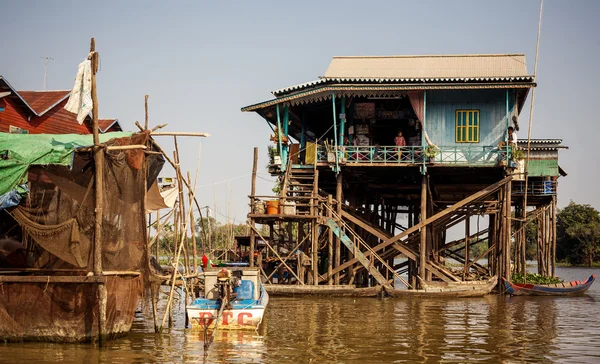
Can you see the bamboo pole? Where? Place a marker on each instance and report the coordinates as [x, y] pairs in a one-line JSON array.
[[168, 309], [192, 229], [99, 183], [277, 255], [175, 133], [146, 113], [126, 147], [182, 229], [252, 204]]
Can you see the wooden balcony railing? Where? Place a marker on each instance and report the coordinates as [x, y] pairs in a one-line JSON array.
[[468, 155]]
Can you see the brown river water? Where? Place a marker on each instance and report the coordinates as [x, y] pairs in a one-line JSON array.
[[496, 329]]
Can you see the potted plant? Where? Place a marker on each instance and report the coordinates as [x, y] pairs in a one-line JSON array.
[[431, 152], [516, 155], [274, 157]]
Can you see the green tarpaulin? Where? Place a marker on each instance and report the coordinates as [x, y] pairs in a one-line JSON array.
[[19, 151]]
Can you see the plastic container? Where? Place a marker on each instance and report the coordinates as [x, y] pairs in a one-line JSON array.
[[289, 208], [273, 207], [259, 207]]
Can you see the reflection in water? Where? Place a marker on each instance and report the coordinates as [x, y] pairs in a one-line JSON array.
[[366, 330]]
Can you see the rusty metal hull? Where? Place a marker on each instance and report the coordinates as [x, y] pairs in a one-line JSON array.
[[66, 312]]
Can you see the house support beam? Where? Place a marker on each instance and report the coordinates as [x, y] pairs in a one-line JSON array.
[[423, 241]]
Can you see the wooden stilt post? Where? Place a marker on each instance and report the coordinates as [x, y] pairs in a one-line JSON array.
[[423, 243], [467, 236], [508, 230], [99, 186], [337, 246], [315, 234], [548, 239], [539, 241], [554, 215], [315, 252], [252, 204], [412, 267], [329, 243], [501, 234]]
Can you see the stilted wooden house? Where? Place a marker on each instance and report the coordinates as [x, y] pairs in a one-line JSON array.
[[382, 156]]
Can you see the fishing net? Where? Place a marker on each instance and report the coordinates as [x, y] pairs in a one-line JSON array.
[[55, 225]]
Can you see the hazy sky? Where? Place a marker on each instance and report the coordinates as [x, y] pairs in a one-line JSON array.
[[200, 62]]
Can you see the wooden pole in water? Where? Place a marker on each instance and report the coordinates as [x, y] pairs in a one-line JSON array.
[[467, 235], [252, 204], [99, 184], [508, 232], [423, 242], [315, 232], [177, 254], [182, 214], [158, 230], [548, 239], [329, 242], [337, 243], [554, 213], [192, 228]]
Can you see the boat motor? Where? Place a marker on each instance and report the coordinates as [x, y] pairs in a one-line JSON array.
[[226, 282]]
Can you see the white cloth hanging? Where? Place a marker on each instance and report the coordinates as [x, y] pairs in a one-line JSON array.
[[80, 101]]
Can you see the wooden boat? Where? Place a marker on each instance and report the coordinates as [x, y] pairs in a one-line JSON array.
[[557, 289], [236, 302], [454, 289], [292, 290], [51, 290]]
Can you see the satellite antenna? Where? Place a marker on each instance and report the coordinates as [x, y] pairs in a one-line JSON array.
[[46, 61]]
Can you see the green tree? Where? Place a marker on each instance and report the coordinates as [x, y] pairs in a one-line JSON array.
[[219, 235], [578, 234], [531, 231]]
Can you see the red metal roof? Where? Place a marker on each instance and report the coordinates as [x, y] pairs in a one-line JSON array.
[[105, 124], [42, 101]]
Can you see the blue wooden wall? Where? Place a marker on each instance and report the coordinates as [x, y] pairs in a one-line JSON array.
[[441, 114]]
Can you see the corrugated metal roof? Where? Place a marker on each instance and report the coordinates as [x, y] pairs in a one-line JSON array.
[[542, 144], [429, 67], [310, 95], [540, 141], [105, 124], [298, 87], [42, 101]]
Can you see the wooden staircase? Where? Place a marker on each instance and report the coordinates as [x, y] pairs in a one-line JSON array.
[[299, 187]]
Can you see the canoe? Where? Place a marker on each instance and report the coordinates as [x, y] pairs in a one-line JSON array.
[[558, 289], [292, 290], [245, 310], [454, 289]]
